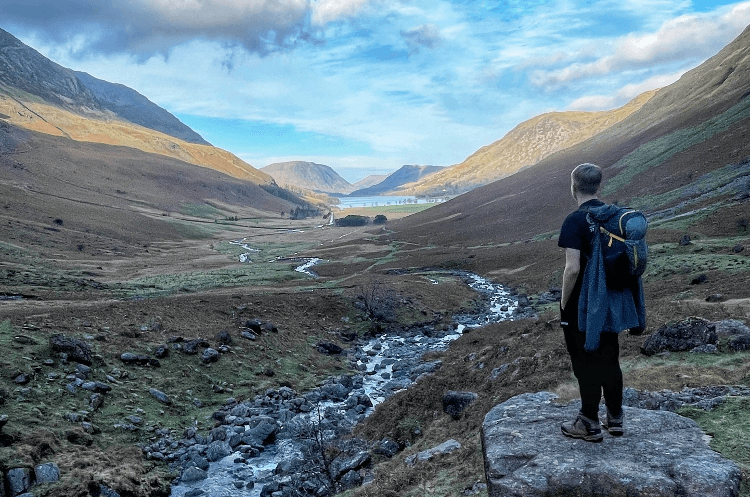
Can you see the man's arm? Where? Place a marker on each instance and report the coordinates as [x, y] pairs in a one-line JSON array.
[[570, 274]]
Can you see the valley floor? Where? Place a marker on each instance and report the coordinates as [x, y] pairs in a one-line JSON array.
[[169, 292]]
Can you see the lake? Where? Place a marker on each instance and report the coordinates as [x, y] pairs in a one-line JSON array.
[[380, 200]]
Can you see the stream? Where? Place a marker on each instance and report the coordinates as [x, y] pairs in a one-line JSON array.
[[387, 364]]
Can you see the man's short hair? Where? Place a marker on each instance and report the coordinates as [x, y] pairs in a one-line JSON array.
[[587, 178]]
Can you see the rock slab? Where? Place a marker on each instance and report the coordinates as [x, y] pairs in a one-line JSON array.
[[661, 454]]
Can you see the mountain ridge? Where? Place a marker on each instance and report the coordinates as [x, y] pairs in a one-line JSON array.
[[305, 175], [525, 145], [406, 174]]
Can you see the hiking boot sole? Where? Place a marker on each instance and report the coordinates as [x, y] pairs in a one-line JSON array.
[[594, 437], [615, 431]]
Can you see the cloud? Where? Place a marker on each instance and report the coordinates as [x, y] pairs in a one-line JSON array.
[[426, 36], [685, 38], [145, 27], [624, 94], [325, 11]]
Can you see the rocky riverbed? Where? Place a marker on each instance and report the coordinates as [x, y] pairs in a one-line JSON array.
[[285, 441]]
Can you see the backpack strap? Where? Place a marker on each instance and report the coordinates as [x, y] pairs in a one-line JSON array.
[[619, 222]]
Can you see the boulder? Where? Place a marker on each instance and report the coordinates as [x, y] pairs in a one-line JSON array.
[[444, 448], [192, 346], [328, 348], [218, 450], [76, 350], [19, 480], [455, 402], [681, 336], [47, 473], [386, 447], [345, 463], [209, 355], [193, 474], [661, 454], [160, 396]]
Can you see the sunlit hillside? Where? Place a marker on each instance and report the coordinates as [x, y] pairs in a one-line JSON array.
[[525, 145]]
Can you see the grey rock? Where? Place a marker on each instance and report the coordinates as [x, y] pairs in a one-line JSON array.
[[454, 403], [218, 450], [210, 355], [346, 463], [19, 480], [682, 336], [47, 473], [160, 396], [191, 347], [76, 350], [739, 343], [193, 474], [444, 448], [709, 348], [386, 447], [350, 480], [661, 454], [731, 327], [328, 348]]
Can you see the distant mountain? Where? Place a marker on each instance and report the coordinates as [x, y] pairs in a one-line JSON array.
[[524, 146], [40, 95], [404, 175], [308, 176], [369, 181], [684, 153], [131, 105]]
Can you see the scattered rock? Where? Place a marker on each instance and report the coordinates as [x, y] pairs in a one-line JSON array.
[[346, 463], [193, 474], [716, 297], [739, 343], [386, 447], [682, 336], [131, 358], [224, 338], [19, 480], [191, 347], [709, 348], [525, 454], [328, 348], [738, 248], [444, 448], [47, 473], [161, 352], [76, 350], [160, 396], [210, 355], [454, 403], [685, 241]]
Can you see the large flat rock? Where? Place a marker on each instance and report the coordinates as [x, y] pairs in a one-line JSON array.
[[661, 454]]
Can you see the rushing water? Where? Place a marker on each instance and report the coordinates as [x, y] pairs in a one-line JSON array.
[[388, 364]]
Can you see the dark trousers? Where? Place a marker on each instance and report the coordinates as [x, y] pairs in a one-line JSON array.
[[596, 371]]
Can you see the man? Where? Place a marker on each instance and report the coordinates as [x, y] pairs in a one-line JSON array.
[[594, 354]]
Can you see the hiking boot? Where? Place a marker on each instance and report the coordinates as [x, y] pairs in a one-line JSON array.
[[613, 424], [584, 428]]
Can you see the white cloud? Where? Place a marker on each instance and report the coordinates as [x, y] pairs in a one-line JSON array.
[[624, 94], [691, 37], [325, 11]]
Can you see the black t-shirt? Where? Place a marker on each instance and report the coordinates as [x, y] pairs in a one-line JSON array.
[[577, 233]]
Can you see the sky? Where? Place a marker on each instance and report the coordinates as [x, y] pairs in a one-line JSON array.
[[366, 86]]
